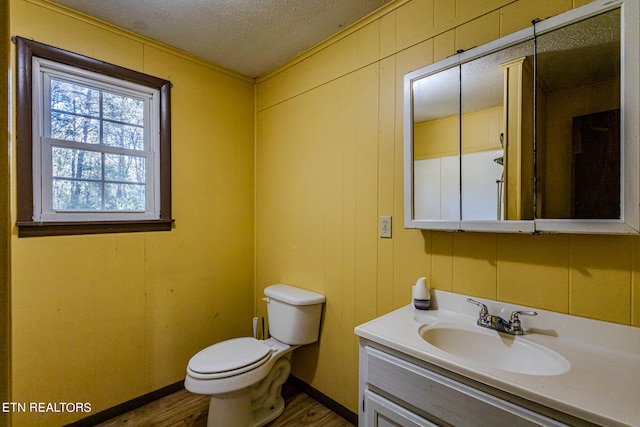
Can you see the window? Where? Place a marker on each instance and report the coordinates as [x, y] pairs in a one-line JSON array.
[[93, 145]]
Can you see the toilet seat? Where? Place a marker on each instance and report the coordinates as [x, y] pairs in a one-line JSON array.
[[229, 358]]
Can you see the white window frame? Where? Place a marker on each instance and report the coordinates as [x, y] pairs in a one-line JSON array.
[[43, 70]]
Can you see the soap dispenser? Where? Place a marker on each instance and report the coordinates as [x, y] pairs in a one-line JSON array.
[[421, 294]]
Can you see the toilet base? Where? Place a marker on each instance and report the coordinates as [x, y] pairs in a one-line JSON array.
[[237, 412], [266, 415], [254, 406]]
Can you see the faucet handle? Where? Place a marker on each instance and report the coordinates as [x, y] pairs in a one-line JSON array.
[[515, 314], [515, 320], [483, 308]]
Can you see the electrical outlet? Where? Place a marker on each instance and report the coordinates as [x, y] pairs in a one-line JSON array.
[[385, 226]]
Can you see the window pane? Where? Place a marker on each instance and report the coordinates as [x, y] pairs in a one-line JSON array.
[[124, 197], [75, 128], [123, 136], [124, 168], [78, 164], [71, 195], [75, 98], [123, 109]]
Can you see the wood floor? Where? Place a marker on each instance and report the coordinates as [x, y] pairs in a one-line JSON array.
[[187, 409]]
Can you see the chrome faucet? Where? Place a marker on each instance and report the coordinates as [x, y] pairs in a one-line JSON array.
[[511, 326]]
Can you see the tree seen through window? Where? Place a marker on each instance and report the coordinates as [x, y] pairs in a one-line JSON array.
[[87, 176]]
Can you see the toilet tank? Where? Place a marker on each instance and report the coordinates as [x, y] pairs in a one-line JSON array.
[[294, 314]]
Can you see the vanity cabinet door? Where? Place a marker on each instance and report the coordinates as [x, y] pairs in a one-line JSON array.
[[380, 412], [438, 397]]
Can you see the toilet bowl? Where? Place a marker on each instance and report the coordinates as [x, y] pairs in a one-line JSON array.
[[244, 376]]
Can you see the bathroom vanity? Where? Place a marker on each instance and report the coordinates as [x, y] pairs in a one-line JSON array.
[[438, 367]]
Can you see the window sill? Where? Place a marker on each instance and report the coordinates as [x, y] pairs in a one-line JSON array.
[[35, 229]]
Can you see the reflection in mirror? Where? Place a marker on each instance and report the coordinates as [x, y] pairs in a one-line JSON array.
[[578, 120], [497, 128], [436, 146]]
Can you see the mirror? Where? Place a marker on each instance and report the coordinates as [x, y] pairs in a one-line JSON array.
[[579, 119], [528, 133], [496, 167], [436, 152]]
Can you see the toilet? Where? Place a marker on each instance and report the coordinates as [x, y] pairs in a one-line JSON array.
[[244, 376]]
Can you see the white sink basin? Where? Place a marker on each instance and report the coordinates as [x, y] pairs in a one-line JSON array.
[[498, 350]]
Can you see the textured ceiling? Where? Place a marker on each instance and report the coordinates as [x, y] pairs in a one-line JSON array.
[[251, 37]]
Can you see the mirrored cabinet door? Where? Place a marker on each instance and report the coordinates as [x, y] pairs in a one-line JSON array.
[[497, 162], [580, 144], [436, 147]]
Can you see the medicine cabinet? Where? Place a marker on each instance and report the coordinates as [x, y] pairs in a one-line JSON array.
[[533, 132]]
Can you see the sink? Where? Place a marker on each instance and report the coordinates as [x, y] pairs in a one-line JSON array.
[[501, 351]]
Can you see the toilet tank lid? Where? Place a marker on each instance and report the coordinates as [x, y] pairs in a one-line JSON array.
[[293, 295]]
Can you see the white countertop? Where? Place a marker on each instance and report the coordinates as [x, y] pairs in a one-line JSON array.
[[602, 385]]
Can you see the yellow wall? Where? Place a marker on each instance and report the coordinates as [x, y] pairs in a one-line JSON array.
[[106, 318], [437, 138], [330, 162], [441, 137], [5, 331], [562, 107]]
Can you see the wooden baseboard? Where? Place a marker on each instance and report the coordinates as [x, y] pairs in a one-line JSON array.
[[130, 405]]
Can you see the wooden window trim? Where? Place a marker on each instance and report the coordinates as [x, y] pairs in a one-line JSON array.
[[26, 50]]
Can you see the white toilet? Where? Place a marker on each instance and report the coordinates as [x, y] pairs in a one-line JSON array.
[[244, 376]]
